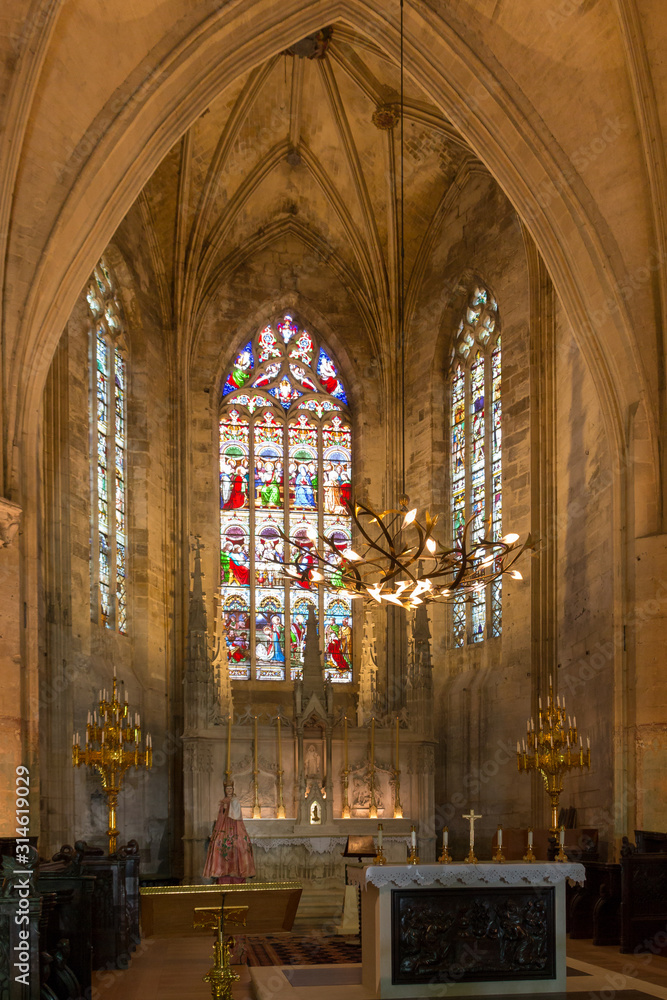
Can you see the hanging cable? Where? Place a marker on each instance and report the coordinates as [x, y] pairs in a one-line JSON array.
[[401, 274]]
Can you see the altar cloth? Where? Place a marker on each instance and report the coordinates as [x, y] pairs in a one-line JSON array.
[[463, 874]]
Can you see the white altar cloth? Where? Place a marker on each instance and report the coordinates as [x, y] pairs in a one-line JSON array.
[[462, 874], [381, 882]]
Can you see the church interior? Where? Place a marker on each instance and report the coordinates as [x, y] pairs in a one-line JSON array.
[[265, 267]]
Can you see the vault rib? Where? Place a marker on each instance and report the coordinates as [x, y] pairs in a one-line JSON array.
[[352, 155]]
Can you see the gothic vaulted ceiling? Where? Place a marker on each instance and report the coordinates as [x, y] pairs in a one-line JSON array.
[[308, 143]]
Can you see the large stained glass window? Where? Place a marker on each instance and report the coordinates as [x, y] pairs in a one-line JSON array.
[[476, 453], [285, 470], [109, 440]]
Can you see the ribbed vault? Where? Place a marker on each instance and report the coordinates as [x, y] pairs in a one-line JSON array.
[[292, 148]]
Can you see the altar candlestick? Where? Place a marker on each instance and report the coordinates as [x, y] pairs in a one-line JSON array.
[[445, 837], [530, 838], [413, 836], [562, 836], [114, 673], [500, 836], [345, 740], [379, 836], [228, 772], [256, 809]]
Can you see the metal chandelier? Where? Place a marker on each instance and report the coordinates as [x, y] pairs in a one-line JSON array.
[[397, 558]]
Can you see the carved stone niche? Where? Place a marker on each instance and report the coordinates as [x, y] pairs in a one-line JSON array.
[[491, 934], [10, 515]]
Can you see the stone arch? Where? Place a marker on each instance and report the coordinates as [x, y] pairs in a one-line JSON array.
[[446, 69]]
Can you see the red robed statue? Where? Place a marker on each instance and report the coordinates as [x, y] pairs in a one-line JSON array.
[[229, 858]]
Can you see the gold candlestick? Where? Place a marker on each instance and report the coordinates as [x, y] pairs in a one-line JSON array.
[[379, 854], [398, 808], [499, 857], [561, 856], [280, 812], [346, 774], [552, 749], [372, 808], [112, 746], [256, 810], [445, 857], [413, 858], [228, 770], [529, 856]]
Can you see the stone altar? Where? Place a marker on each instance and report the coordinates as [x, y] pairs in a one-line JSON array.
[[475, 929]]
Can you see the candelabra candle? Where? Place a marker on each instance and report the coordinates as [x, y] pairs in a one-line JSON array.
[[549, 750], [111, 747]]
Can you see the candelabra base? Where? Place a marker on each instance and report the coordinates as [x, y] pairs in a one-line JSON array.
[[413, 859], [380, 858], [281, 814], [346, 812], [445, 857], [256, 812], [470, 857], [372, 813], [561, 856], [498, 857], [529, 856]]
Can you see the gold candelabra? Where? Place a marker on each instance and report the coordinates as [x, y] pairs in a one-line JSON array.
[[113, 741], [552, 749]]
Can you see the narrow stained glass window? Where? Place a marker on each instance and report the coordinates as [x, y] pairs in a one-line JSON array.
[[109, 435], [476, 454], [284, 416]]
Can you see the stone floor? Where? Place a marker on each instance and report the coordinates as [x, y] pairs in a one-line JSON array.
[[171, 968]]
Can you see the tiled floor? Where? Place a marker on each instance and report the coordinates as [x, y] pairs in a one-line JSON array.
[[171, 968]]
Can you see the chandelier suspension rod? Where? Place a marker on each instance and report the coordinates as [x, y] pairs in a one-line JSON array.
[[401, 276]]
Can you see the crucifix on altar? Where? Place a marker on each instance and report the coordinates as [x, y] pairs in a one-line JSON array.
[[471, 817]]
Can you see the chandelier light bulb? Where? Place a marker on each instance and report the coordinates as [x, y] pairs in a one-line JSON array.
[[409, 517], [430, 544], [516, 575], [510, 539]]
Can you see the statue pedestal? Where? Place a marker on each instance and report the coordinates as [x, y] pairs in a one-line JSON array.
[[484, 929]]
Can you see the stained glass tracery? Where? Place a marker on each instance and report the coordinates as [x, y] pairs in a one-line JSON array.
[[476, 453], [283, 418], [109, 434]]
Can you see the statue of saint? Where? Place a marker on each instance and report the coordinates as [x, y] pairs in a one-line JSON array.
[[229, 858]]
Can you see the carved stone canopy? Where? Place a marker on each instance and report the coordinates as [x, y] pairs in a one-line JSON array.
[[10, 514]]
